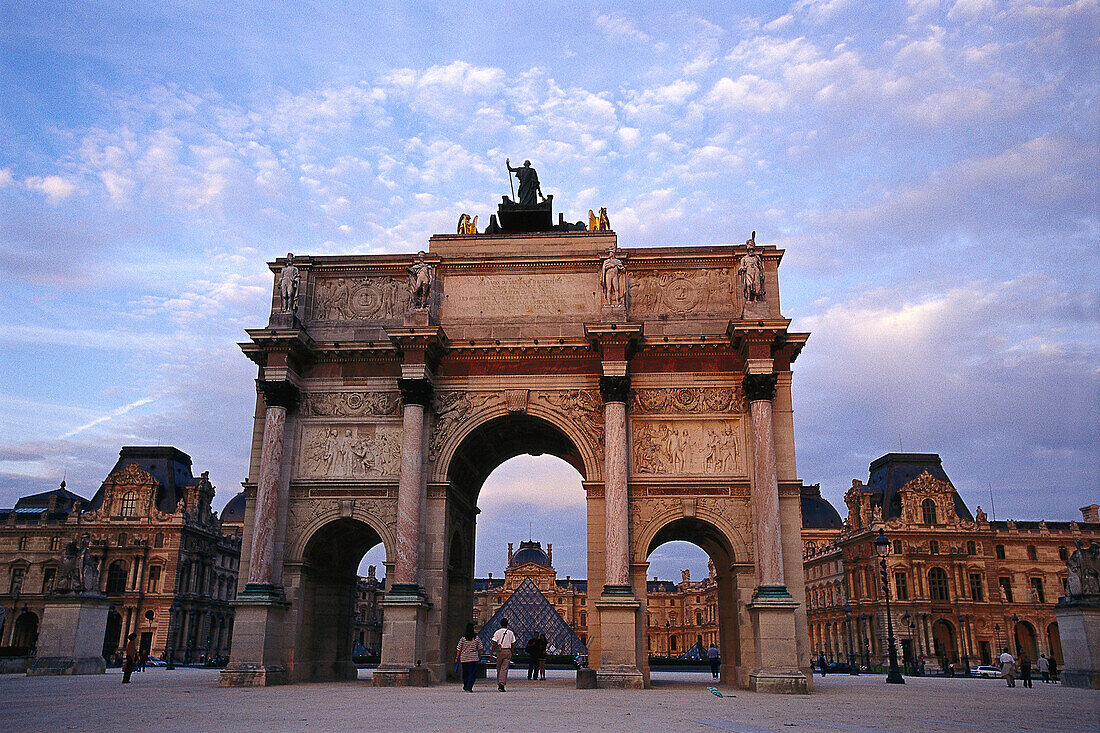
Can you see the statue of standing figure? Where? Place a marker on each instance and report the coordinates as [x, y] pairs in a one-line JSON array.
[[529, 188], [751, 270], [1083, 570], [289, 280], [421, 277], [613, 279], [79, 570]]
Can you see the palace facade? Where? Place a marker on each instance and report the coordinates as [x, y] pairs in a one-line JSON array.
[[167, 562], [962, 587]]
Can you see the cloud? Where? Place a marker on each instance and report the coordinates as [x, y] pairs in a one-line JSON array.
[[621, 26], [55, 188], [117, 412], [6, 177]]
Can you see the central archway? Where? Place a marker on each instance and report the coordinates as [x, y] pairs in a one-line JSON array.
[[481, 451]]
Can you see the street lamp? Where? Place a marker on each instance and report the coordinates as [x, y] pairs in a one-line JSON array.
[[1016, 633], [965, 646], [882, 546], [852, 667]]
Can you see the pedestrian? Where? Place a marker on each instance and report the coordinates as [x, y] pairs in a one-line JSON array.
[[1053, 669], [1044, 668], [468, 653], [1025, 670], [714, 659], [142, 659], [503, 640], [543, 644], [532, 650], [1008, 667], [821, 663], [129, 660]]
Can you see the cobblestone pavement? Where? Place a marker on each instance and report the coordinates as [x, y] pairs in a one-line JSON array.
[[187, 700]]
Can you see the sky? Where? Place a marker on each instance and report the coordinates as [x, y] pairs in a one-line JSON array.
[[930, 169]]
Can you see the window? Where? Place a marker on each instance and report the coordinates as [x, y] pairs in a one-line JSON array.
[[129, 503], [933, 547], [49, 575], [55, 543], [901, 586], [937, 585], [23, 542], [698, 619], [971, 548], [928, 507], [1063, 554], [1006, 589], [584, 619], [116, 578], [897, 547], [1037, 591], [857, 591], [121, 539], [158, 539], [1000, 552], [672, 643], [16, 580], [1032, 554], [154, 579], [977, 587]]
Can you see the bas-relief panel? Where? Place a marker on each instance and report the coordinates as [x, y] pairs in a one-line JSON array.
[[350, 298], [349, 451], [509, 296], [653, 292], [350, 404], [688, 447]]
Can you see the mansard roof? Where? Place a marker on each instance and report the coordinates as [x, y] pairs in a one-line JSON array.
[[63, 500], [892, 471], [170, 466]]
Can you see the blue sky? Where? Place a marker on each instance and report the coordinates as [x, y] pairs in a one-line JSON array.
[[929, 167]]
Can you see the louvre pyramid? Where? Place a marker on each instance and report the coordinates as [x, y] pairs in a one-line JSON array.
[[529, 613]]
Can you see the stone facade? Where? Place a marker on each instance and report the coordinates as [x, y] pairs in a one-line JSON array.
[[962, 587], [368, 612], [378, 419], [167, 566]]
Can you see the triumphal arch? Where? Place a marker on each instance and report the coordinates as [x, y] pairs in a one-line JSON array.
[[390, 386]]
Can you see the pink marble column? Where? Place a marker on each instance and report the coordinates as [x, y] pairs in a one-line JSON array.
[[616, 506], [416, 394], [279, 396], [759, 392]]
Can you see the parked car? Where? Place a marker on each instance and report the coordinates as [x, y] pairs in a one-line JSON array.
[[985, 671], [838, 667], [155, 662]]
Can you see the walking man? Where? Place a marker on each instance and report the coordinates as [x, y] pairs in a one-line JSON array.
[[821, 663], [1025, 670], [714, 659], [532, 649], [130, 658], [1008, 667], [1044, 668], [503, 640]]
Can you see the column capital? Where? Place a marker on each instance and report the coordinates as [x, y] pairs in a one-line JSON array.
[[279, 394], [416, 391], [615, 389], [759, 387]]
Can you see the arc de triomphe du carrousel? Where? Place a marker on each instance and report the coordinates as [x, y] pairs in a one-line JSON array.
[[390, 386]]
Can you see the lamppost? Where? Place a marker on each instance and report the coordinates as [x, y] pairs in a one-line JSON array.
[[910, 663], [853, 668], [965, 645], [865, 642], [882, 546]]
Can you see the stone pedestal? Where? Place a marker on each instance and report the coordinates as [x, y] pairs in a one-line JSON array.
[[613, 313], [281, 319], [258, 656], [618, 642], [755, 310], [1079, 628], [773, 628], [70, 640], [420, 317], [405, 613]]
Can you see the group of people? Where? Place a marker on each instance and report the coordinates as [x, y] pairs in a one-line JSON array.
[[536, 650], [1011, 668]]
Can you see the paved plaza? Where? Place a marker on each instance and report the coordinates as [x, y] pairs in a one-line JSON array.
[[188, 700]]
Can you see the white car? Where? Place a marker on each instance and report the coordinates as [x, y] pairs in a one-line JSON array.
[[985, 671], [155, 662]]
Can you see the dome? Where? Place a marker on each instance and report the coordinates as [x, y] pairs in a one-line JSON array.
[[233, 513], [531, 552], [817, 512]]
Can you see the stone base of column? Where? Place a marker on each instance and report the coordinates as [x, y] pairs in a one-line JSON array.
[[71, 637], [405, 615], [258, 658], [773, 626], [1079, 629], [619, 666]]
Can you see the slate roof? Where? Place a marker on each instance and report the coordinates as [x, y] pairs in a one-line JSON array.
[[893, 470], [170, 466], [817, 512]]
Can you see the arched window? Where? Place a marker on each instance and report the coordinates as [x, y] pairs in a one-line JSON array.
[[129, 503], [1000, 549], [929, 508], [55, 543], [971, 548], [937, 585], [158, 539], [116, 578]]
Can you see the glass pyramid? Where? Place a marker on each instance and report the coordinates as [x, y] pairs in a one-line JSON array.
[[529, 613]]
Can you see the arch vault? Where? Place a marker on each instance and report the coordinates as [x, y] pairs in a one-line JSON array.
[[378, 418]]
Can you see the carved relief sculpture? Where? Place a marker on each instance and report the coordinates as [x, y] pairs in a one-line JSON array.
[[367, 297], [289, 280], [613, 280], [350, 404], [349, 452], [681, 291], [686, 448], [421, 277]]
